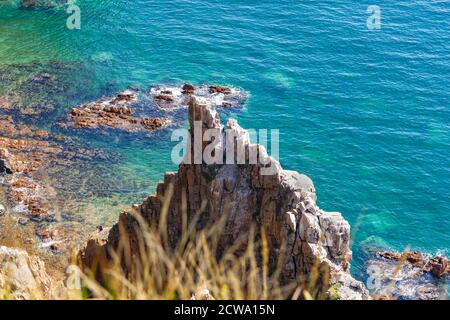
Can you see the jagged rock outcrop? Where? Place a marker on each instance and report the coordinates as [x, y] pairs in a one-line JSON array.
[[172, 98], [438, 266], [113, 113], [408, 276], [282, 202], [23, 276]]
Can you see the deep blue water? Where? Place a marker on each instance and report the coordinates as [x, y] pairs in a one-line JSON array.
[[366, 114]]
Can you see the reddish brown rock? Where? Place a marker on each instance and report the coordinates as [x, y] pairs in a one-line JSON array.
[[172, 98], [188, 88], [4, 103], [126, 96], [414, 258], [439, 266], [152, 123], [113, 113], [25, 156], [219, 89], [24, 151], [41, 134], [281, 202], [407, 276], [163, 97]]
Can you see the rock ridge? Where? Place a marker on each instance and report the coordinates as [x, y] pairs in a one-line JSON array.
[[283, 203]]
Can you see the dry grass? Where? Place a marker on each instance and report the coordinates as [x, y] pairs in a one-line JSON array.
[[159, 270]]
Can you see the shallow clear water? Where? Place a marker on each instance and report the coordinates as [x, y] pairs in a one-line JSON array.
[[365, 114]]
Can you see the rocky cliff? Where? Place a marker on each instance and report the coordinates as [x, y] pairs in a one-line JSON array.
[[300, 235], [23, 276]]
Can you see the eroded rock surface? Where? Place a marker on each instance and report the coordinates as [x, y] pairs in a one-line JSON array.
[[283, 203], [23, 276], [27, 156], [113, 113], [24, 151], [438, 266], [172, 98], [408, 276]]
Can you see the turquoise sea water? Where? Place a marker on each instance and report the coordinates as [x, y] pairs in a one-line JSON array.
[[366, 114]]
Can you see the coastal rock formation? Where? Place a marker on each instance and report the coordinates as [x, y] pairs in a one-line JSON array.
[[172, 98], [27, 156], [301, 236], [438, 266], [23, 276], [408, 276], [113, 113], [24, 151]]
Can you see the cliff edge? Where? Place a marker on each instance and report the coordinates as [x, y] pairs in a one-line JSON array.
[[300, 235]]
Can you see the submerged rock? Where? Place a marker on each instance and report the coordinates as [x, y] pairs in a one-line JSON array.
[[282, 202], [44, 4], [39, 89], [34, 167]]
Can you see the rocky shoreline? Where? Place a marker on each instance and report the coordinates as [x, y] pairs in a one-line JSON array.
[[26, 155], [113, 113], [284, 204], [410, 275], [31, 202], [173, 98]]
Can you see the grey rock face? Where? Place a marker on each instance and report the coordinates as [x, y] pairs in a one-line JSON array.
[[23, 276]]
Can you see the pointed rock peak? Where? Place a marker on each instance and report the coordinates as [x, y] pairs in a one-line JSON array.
[[201, 111]]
